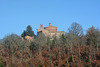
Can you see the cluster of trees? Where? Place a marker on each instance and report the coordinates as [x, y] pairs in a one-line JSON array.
[[28, 32], [74, 49]]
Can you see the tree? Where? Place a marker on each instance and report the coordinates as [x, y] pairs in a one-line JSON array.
[[12, 42], [75, 32], [75, 29], [41, 41], [54, 42], [28, 32], [33, 46], [1, 65], [23, 34], [63, 39], [92, 36], [49, 46], [29, 29]]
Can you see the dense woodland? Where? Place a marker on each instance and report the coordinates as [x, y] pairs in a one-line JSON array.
[[74, 49]]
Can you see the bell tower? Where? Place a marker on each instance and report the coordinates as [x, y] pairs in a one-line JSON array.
[[41, 25]]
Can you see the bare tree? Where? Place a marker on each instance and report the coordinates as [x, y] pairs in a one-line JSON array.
[[12, 42], [92, 35], [76, 29], [41, 41], [75, 32]]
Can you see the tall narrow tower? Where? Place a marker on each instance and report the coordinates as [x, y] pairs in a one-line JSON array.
[[41, 25]]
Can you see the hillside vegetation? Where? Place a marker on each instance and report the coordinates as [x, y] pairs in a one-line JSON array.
[[74, 49]]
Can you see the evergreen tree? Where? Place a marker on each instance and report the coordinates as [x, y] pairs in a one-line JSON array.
[[29, 29], [28, 32], [23, 34]]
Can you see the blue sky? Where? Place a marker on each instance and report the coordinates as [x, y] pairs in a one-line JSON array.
[[15, 15]]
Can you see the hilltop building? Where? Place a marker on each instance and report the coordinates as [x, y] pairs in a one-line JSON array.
[[50, 31]]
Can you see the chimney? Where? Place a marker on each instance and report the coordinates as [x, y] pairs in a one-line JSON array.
[[41, 25], [50, 24]]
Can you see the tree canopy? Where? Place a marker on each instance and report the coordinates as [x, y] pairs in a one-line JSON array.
[[28, 32], [92, 36], [75, 29]]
